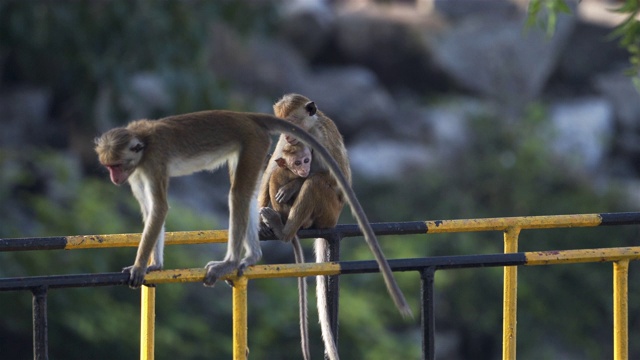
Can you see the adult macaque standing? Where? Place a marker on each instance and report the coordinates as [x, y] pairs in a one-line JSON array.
[[319, 200], [146, 153]]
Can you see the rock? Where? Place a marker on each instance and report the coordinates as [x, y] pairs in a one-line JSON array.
[[619, 90], [147, 93], [395, 47], [306, 25], [385, 158], [499, 58], [449, 123], [352, 97], [458, 10], [582, 131], [588, 52], [256, 66]]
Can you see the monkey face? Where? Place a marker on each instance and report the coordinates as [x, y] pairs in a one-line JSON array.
[[120, 153], [301, 169], [301, 164]]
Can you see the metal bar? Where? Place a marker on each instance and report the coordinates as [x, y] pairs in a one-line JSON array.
[[349, 230], [427, 315], [624, 218], [40, 325], [42, 243], [63, 281], [620, 310], [439, 262], [132, 240], [510, 291], [582, 255], [523, 222], [266, 271], [147, 322], [240, 346]]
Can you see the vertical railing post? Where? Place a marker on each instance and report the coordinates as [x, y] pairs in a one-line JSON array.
[[40, 326], [240, 342], [510, 296], [620, 310], [147, 322], [427, 315]]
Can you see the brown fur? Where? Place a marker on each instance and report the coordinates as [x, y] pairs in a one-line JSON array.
[[147, 152], [319, 201]]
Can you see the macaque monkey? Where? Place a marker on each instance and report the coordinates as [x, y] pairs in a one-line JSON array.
[[319, 201], [293, 167], [295, 164], [147, 153]]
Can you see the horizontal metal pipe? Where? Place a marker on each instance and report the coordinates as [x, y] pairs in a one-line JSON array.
[[63, 281], [582, 255], [334, 268], [348, 230]]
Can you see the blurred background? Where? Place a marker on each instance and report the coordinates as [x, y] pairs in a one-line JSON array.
[[449, 109]]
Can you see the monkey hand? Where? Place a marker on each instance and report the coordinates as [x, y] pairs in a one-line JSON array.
[[136, 275], [218, 269], [265, 231], [289, 190]]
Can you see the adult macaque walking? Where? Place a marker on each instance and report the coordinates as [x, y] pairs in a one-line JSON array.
[[320, 200], [146, 153]]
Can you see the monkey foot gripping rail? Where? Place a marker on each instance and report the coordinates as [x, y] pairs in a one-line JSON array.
[[511, 259]]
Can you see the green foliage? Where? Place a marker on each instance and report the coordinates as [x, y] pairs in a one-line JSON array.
[[551, 8], [544, 13], [506, 170], [102, 323], [629, 34], [78, 49]]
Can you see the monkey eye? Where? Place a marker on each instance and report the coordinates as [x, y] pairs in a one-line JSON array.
[[297, 163], [306, 161], [137, 148]]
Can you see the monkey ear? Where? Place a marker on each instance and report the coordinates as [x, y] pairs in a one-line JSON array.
[[281, 162], [311, 108], [137, 148]]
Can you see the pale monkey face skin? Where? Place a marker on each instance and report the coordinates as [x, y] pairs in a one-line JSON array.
[[120, 153], [298, 162]]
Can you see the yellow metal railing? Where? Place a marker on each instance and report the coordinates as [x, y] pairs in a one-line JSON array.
[[511, 228], [620, 257]]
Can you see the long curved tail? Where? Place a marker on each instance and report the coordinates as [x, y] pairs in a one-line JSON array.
[[302, 301], [330, 347], [275, 124]]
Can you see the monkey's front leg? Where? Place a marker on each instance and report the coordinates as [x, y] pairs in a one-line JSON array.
[[150, 249], [155, 264]]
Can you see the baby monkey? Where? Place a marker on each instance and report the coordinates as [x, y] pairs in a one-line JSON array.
[[284, 184], [293, 167]]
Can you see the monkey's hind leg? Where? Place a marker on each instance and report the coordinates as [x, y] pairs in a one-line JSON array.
[[253, 251], [272, 219], [231, 261], [244, 172]]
